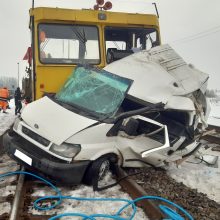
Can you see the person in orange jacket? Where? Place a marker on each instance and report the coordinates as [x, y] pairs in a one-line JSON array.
[[4, 96]]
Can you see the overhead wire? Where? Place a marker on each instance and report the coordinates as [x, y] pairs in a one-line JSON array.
[[199, 35]]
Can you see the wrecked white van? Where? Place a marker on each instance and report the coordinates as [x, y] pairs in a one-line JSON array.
[[141, 110]]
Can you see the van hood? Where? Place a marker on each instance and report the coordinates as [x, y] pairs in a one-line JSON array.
[[52, 121]]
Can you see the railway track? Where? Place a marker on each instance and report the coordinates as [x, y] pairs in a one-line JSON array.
[[21, 200], [16, 191], [214, 136], [8, 186]]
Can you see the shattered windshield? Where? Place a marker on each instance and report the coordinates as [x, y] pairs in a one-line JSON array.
[[95, 91]]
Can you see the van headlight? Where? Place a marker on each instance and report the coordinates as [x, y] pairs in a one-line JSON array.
[[66, 149]]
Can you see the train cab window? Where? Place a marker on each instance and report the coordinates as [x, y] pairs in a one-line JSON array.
[[68, 44], [121, 42]]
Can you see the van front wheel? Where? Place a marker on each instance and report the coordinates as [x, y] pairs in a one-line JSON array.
[[98, 170]]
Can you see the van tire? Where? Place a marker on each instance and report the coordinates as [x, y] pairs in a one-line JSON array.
[[98, 169]]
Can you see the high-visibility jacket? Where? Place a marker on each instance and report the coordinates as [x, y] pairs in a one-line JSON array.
[[4, 93]]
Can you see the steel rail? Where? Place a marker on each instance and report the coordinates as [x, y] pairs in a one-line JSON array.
[[217, 128], [135, 191], [16, 202], [150, 208], [212, 138]]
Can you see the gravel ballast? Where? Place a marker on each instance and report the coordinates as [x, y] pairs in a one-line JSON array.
[[158, 183]]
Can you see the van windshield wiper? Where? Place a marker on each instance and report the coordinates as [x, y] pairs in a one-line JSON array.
[[154, 107]]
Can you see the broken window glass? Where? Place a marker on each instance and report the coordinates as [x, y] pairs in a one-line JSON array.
[[95, 91]]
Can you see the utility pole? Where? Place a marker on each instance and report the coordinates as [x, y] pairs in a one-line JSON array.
[[18, 74]]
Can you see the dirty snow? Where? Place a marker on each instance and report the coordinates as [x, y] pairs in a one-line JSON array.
[[214, 118], [198, 176], [88, 207], [6, 120], [5, 207], [8, 190]]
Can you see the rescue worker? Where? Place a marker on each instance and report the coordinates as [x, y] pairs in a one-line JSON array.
[[18, 104], [4, 97]]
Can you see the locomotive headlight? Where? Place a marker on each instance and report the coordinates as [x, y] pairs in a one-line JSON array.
[[66, 149]]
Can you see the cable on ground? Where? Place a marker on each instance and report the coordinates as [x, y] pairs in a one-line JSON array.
[[170, 213]]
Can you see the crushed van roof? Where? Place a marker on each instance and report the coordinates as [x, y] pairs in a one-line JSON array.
[[160, 75]]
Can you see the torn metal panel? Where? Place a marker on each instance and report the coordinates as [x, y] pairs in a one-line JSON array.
[[187, 76], [161, 73]]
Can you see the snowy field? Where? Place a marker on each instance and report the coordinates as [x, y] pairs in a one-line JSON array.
[[192, 173], [214, 117], [199, 176], [6, 120]]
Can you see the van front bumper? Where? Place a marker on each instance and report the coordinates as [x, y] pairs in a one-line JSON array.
[[42, 162]]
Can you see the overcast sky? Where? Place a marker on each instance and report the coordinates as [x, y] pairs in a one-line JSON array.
[[192, 27]]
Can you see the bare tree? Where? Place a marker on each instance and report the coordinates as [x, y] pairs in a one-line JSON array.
[[9, 82]]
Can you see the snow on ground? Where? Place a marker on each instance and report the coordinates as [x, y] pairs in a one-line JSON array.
[[199, 176], [214, 117], [5, 207], [89, 207], [6, 120]]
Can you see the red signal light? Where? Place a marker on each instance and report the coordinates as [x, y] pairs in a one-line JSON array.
[[96, 7], [100, 2], [107, 6]]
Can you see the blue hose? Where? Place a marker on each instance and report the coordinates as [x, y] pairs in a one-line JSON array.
[[170, 213], [59, 195]]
